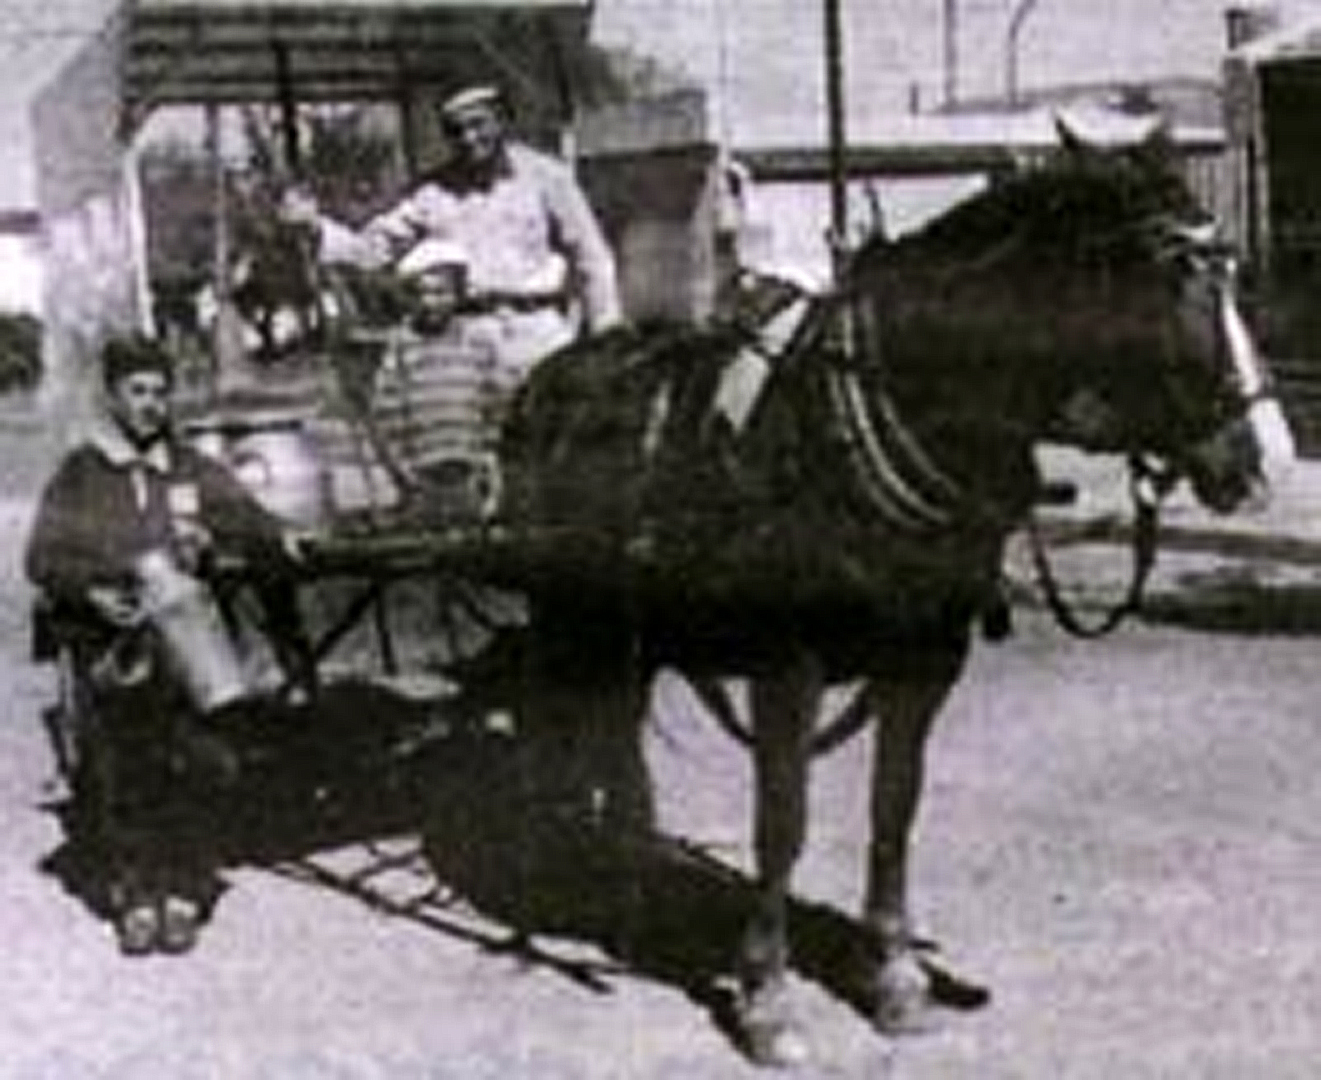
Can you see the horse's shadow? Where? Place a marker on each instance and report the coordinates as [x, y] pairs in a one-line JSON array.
[[366, 765], [658, 906]]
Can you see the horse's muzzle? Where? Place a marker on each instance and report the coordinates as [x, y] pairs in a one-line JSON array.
[[1275, 441], [1243, 461]]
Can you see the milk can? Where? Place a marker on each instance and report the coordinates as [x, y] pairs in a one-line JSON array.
[[274, 458], [276, 462], [196, 644]]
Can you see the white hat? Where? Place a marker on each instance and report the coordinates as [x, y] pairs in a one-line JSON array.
[[431, 254], [471, 97]]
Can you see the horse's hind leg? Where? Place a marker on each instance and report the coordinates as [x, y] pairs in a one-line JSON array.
[[784, 706], [908, 699]]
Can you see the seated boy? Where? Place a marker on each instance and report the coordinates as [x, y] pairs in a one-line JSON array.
[[118, 548]]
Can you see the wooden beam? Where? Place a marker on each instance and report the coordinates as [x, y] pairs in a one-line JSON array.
[[812, 164]]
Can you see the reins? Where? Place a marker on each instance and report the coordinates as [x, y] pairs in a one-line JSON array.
[[1148, 485]]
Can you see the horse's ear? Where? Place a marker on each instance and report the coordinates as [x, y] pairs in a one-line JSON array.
[[1158, 143], [1071, 142]]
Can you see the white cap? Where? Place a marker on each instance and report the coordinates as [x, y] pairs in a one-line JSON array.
[[471, 97], [431, 254]]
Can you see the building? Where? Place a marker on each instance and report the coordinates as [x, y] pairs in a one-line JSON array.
[[1273, 88], [21, 264], [740, 94]]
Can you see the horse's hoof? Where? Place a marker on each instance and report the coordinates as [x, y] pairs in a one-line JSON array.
[[769, 1033], [780, 1046], [777, 1047], [953, 991], [902, 1002]]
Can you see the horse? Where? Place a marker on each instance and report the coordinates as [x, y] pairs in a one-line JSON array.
[[849, 522]]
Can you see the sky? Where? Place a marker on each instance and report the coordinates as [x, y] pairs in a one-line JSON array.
[[764, 54], [762, 57]]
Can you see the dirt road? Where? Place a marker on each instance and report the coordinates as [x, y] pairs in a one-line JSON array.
[[1120, 839]]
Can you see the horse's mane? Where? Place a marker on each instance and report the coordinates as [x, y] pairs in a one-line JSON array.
[[1078, 191]]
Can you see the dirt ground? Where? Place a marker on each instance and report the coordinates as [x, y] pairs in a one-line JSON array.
[[1120, 839]]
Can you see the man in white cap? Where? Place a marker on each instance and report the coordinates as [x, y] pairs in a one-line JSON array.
[[537, 267]]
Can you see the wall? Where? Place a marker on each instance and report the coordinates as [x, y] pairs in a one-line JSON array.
[[20, 274], [91, 225]]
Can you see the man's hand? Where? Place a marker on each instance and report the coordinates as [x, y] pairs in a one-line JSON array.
[[119, 606], [297, 544]]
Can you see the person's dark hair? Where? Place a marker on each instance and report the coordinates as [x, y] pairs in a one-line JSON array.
[[126, 354]]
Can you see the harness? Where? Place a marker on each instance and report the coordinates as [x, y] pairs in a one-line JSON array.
[[908, 491], [901, 482], [1149, 484]]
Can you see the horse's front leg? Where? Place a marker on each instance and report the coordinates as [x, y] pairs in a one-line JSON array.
[[907, 703], [784, 706]]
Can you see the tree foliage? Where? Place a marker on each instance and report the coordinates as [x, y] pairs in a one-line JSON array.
[[20, 351]]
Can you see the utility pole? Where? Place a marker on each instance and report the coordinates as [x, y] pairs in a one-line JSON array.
[[1016, 21], [950, 26], [836, 132]]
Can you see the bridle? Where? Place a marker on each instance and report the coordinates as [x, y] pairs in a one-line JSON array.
[[1151, 480], [907, 490]]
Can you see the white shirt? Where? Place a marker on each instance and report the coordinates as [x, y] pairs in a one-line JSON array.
[[519, 233]]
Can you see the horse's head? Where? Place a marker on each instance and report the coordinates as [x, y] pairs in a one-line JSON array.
[[1168, 367]]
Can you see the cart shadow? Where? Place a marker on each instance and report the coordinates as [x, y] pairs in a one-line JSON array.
[[313, 777], [365, 765]]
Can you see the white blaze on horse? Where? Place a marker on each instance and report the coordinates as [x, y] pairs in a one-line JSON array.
[[849, 521]]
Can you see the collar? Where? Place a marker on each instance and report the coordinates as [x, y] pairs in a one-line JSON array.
[[115, 447]]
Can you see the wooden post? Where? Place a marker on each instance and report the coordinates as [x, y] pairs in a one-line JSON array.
[[284, 85], [950, 24], [226, 333]]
